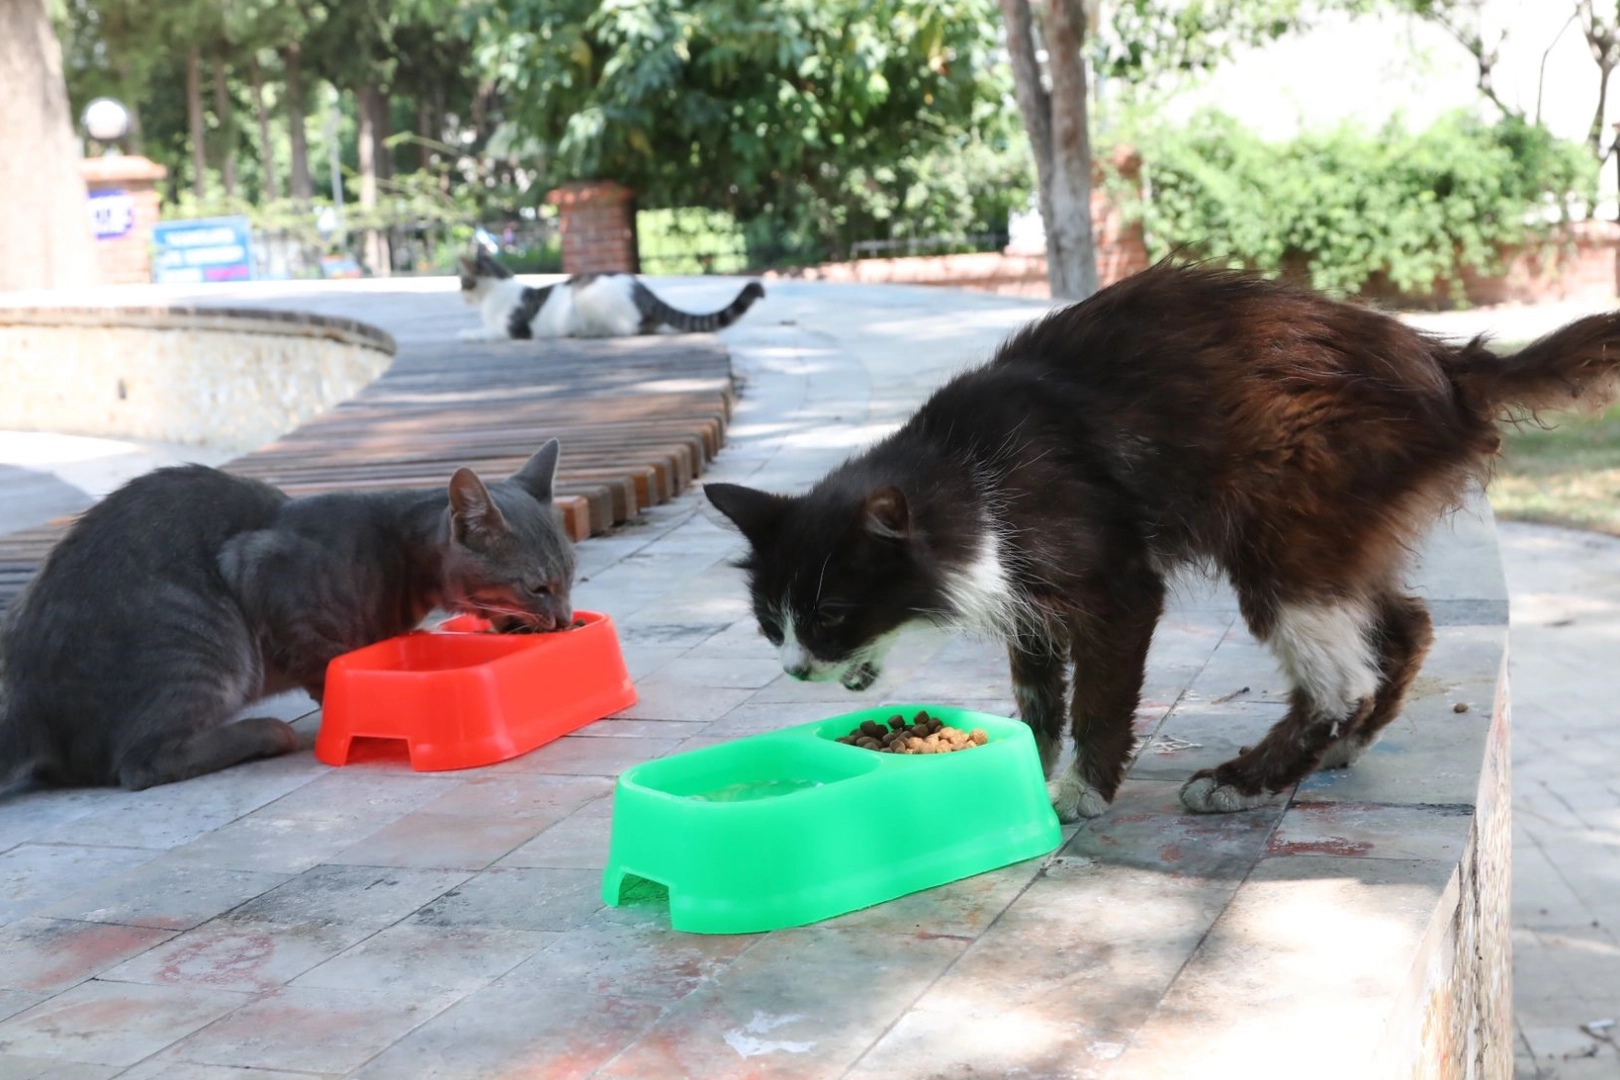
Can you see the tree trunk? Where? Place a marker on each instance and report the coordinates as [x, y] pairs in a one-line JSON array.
[[438, 132], [137, 134], [382, 129], [267, 150], [424, 134], [227, 130], [194, 121], [44, 222], [376, 244], [135, 139], [1603, 39], [1595, 137], [302, 188], [1057, 126], [1033, 102], [1071, 251]]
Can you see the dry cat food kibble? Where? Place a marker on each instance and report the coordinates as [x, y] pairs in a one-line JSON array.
[[523, 629], [924, 735]]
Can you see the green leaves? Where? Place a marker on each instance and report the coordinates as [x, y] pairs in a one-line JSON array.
[[776, 107], [1353, 208]]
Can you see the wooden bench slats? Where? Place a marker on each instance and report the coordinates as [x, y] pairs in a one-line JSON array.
[[639, 419]]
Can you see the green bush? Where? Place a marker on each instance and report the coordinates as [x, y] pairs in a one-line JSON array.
[[533, 258], [1346, 207], [690, 241]]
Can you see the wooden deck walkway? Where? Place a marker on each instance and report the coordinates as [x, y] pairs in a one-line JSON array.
[[639, 419]]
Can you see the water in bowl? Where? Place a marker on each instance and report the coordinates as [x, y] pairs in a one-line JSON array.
[[750, 790]]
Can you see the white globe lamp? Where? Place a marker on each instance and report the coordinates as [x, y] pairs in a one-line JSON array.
[[106, 120]]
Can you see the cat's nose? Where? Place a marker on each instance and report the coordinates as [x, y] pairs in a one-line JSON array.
[[799, 671]]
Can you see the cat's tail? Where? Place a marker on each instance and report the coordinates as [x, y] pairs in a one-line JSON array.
[[1575, 366], [656, 313]]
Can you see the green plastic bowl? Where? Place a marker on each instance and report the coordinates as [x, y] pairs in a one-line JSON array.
[[791, 827]]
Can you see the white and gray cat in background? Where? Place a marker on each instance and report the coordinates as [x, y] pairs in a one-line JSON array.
[[586, 305], [190, 593]]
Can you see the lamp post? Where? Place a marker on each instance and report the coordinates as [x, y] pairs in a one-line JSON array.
[[123, 195], [106, 121]]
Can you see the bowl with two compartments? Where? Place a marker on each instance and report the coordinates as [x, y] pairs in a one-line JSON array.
[[792, 826]]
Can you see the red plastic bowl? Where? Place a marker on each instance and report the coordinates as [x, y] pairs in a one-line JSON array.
[[459, 697]]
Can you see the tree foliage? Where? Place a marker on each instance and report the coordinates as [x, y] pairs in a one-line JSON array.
[[1349, 207], [812, 113]]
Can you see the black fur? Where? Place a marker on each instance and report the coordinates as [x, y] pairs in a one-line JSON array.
[[190, 593], [520, 324], [655, 312]]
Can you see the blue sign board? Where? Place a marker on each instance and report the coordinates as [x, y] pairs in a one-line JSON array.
[[112, 213], [200, 250]]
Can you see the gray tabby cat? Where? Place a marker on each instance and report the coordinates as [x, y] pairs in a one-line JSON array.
[[586, 305], [190, 593]]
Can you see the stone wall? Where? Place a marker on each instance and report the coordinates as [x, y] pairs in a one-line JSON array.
[[1580, 264], [1456, 1022], [231, 379], [1577, 263]]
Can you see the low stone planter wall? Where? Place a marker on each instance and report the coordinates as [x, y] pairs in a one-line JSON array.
[[228, 378]]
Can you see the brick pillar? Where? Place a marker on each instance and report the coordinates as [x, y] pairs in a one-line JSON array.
[[123, 207], [598, 232], [1121, 247]]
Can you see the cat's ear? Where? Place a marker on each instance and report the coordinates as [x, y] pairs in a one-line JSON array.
[[490, 266], [887, 514], [754, 512], [540, 471], [473, 513]]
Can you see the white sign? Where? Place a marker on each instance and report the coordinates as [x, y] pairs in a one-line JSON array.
[[112, 214]]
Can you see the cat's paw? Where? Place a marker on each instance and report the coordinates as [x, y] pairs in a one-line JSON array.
[[273, 737], [1204, 794], [1344, 753], [1074, 799]]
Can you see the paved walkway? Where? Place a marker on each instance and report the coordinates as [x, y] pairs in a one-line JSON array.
[[371, 922], [1566, 799]]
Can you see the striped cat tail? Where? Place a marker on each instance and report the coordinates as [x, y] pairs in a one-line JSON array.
[[656, 313]]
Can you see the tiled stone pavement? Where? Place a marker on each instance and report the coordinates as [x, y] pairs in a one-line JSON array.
[[1566, 800], [287, 919]]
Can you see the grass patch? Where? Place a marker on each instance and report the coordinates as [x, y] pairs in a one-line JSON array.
[[1565, 474], [1565, 471]]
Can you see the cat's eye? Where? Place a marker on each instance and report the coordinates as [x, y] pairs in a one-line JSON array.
[[539, 588], [831, 619]]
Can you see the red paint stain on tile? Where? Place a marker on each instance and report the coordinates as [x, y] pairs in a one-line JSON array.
[[1170, 853], [218, 961], [77, 951], [1328, 845], [1130, 819]]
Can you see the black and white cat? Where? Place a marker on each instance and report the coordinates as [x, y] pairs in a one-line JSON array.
[[190, 593], [1183, 416], [586, 305]]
